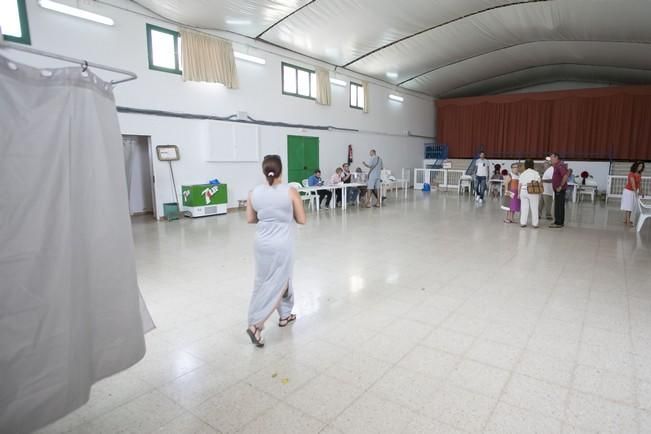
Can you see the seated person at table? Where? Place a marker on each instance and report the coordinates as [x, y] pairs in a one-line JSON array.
[[335, 179], [496, 187], [571, 180], [347, 178], [315, 181], [497, 175]]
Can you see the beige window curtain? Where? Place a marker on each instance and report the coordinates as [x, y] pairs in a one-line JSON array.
[[208, 59], [365, 89], [323, 93]]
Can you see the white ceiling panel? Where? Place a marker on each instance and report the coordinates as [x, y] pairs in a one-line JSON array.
[[340, 31], [246, 17], [561, 20], [437, 46], [525, 57]]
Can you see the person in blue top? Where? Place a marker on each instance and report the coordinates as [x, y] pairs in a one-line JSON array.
[[315, 180]]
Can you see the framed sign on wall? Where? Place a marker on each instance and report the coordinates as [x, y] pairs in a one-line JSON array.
[[168, 152]]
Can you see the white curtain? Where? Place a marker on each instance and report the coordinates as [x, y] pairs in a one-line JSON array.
[[71, 311], [365, 89], [208, 59], [323, 86]]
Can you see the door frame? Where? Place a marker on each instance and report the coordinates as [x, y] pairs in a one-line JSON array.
[[152, 183], [151, 153]]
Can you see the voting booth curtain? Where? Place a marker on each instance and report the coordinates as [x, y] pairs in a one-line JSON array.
[[71, 311]]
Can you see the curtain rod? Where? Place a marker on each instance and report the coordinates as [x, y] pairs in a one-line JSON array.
[[82, 62]]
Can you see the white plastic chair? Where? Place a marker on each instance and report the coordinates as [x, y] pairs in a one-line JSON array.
[[586, 191], [495, 186], [305, 195], [465, 181], [645, 212]]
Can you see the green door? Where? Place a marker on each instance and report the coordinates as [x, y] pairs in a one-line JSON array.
[[302, 157], [311, 155]]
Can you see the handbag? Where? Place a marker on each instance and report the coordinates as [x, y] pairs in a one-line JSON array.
[[535, 187]]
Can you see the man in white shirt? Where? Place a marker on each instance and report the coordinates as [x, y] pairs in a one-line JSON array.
[[548, 191], [482, 169]]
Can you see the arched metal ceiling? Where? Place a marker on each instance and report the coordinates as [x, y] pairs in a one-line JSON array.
[[546, 74], [444, 47]]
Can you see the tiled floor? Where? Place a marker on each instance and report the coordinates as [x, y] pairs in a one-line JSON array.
[[426, 316]]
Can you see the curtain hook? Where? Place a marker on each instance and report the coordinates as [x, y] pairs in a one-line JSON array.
[[84, 66]]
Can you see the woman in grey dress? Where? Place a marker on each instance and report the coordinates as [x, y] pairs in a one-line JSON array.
[[375, 167], [275, 208]]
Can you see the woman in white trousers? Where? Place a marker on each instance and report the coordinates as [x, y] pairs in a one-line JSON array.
[[528, 201]]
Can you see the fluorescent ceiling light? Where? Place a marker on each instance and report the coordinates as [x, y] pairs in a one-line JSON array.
[[249, 58], [75, 12], [396, 97], [392, 74], [337, 82]]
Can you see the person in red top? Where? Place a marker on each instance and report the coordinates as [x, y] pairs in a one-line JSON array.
[[559, 184], [632, 189]]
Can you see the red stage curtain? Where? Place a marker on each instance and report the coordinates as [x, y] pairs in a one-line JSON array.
[[605, 123]]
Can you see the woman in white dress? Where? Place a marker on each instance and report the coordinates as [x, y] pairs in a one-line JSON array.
[[528, 201], [275, 208], [631, 191]]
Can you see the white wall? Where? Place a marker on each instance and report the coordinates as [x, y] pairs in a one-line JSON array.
[[241, 177], [125, 46]]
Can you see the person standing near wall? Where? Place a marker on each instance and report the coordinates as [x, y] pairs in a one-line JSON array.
[[548, 192], [274, 208], [482, 168], [631, 191], [375, 167], [559, 184]]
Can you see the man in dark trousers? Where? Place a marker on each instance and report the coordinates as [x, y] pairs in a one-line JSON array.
[[316, 181], [559, 184], [482, 170]]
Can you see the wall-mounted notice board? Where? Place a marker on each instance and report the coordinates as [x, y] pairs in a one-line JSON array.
[[231, 142]]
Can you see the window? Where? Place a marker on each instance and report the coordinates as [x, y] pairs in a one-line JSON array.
[[13, 21], [164, 49], [356, 96], [298, 81]]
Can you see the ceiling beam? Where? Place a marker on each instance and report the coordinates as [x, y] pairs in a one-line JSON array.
[[539, 41], [529, 68], [284, 18], [397, 41]]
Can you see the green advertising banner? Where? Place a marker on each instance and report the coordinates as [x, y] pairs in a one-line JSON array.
[[204, 194]]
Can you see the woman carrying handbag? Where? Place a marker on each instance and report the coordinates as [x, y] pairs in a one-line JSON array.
[[530, 188]]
